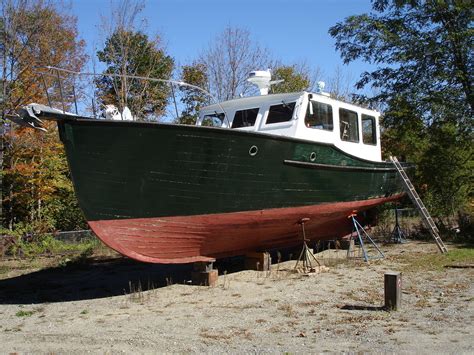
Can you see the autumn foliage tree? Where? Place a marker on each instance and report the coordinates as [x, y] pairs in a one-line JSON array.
[[36, 185]]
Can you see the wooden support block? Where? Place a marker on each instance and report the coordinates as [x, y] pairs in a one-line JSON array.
[[393, 291], [203, 274], [205, 278], [259, 261]]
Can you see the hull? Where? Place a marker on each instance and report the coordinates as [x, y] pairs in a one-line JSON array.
[[186, 239], [177, 194]]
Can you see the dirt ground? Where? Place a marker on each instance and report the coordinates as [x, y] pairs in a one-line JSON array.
[[102, 306]]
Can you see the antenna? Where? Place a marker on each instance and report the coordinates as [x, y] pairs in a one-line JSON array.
[[320, 88], [263, 80]]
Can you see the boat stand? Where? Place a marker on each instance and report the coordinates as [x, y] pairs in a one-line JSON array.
[[397, 235], [306, 256], [361, 235]]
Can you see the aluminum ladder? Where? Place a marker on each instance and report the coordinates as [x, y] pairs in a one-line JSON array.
[[415, 198]]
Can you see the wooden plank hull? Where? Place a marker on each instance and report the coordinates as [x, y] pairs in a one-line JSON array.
[[125, 170], [164, 193], [184, 239]]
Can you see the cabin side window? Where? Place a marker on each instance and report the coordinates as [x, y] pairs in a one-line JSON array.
[[319, 116], [369, 135], [349, 125], [280, 113], [213, 120], [245, 118]]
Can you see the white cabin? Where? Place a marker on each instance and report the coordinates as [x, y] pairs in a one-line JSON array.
[[308, 116]]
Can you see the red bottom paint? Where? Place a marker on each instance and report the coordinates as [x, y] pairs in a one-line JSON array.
[[186, 239]]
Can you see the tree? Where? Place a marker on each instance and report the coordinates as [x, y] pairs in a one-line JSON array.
[[26, 43], [229, 59], [294, 79], [341, 85], [193, 99], [422, 50], [129, 50], [32, 168], [41, 194]]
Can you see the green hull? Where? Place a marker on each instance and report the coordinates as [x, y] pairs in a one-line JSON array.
[[139, 170]]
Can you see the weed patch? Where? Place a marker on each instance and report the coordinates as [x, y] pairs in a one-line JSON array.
[[23, 313], [47, 244], [437, 262]]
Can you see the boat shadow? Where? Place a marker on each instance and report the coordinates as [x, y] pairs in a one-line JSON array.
[[354, 307], [90, 280], [99, 278], [105, 277]]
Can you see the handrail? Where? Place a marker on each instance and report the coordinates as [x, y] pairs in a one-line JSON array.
[[173, 82]]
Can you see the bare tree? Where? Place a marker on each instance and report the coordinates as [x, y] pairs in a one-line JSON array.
[[341, 84], [229, 59]]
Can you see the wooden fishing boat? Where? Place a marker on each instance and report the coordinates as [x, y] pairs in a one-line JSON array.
[[168, 193]]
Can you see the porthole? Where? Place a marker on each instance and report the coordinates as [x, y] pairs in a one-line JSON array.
[[253, 150], [312, 156]]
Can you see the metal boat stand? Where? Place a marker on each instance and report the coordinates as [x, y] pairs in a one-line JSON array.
[[361, 235], [397, 235], [306, 256]]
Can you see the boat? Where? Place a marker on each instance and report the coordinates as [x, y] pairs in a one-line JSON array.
[[238, 181]]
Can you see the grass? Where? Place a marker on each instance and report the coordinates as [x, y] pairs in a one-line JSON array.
[[215, 335], [438, 262], [23, 313], [47, 251], [287, 309], [47, 244]]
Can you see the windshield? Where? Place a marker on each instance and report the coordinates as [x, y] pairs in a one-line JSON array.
[[213, 120]]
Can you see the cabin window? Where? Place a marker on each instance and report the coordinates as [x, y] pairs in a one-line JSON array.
[[280, 113], [369, 135], [319, 116], [245, 118], [213, 120], [349, 125]]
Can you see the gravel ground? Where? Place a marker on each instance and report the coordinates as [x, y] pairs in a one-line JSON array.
[[100, 307]]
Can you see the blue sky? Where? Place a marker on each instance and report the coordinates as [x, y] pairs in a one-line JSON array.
[[292, 30]]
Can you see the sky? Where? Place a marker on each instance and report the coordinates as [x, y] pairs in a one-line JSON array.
[[293, 30]]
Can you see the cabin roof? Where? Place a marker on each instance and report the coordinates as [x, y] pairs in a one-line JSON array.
[[257, 101], [262, 100]]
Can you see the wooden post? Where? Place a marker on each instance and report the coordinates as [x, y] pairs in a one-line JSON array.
[[351, 248], [204, 275], [393, 290]]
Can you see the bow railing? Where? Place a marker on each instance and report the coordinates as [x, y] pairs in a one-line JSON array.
[[91, 95]]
